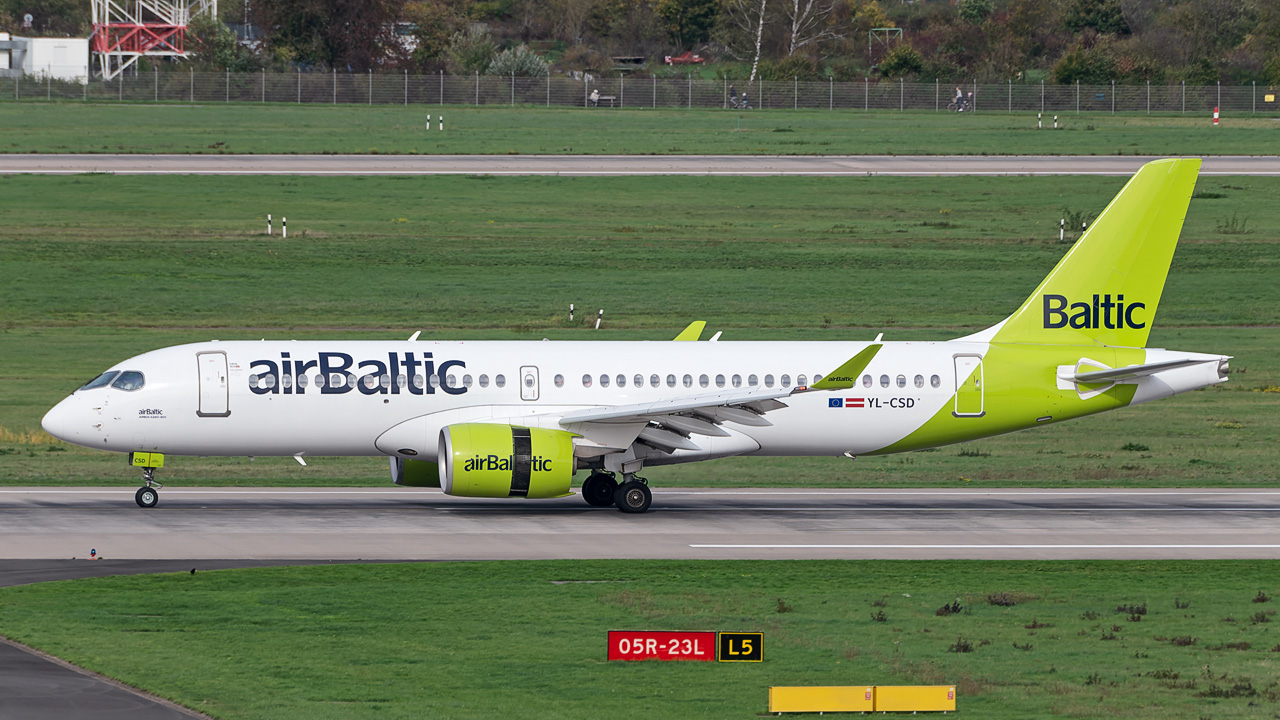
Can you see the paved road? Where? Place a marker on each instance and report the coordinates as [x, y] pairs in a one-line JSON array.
[[609, 165], [416, 524]]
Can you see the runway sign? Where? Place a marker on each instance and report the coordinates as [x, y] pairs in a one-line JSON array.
[[740, 646], [649, 645]]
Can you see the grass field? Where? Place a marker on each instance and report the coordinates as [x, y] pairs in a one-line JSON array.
[[90, 274], [253, 128], [462, 640]]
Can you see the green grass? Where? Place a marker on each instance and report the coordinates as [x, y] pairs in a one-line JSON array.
[[90, 274], [464, 640], [253, 128]]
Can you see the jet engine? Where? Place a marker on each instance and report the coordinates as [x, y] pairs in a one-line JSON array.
[[484, 460]]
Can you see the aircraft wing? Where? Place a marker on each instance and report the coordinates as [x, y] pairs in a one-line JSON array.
[[668, 424]]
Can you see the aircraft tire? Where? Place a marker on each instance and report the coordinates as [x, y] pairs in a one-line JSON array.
[[598, 490], [146, 497], [633, 497]]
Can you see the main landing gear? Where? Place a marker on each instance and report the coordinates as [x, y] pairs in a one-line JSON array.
[[148, 495], [602, 490]]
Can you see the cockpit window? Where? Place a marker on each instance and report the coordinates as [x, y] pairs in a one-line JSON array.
[[128, 380], [101, 381]]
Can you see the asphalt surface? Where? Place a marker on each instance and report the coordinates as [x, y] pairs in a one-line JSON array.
[[348, 524], [48, 534], [577, 165]]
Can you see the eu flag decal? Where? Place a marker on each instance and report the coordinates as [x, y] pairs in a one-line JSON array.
[[835, 402]]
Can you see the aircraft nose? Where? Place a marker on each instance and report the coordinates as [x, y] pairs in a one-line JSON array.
[[64, 421]]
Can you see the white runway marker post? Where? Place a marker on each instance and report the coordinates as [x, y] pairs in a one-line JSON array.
[[428, 122], [570, 312], [1039, 123], [268, 224], [599, 317], [1055, 122], [441, 122], [284, 228], [1062, 229]]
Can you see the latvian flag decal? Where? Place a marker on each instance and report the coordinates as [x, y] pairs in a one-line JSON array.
[[847, 402]]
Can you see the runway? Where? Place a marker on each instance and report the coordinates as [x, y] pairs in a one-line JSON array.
[[608, 165], [348, 524]]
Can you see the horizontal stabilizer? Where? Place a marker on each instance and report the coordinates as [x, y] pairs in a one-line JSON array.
[[1132, 371]]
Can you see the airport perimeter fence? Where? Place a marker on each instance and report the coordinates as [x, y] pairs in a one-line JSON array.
[[622, 92]]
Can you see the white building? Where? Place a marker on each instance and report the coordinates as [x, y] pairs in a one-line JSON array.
[[59, 58]]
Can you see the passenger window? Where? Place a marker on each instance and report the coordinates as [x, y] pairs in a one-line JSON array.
[[484, 381], [586, 381], [266, 381], [817, 379], [319, 381], [866, 381], [786, 381], [622, 380], [638, 380], [286, 381], [452, 380], [401, 381], [434, 380], [703, 381], [800, 380], [884, 381], [768, 381], [558, 380], [499, 380], [671, 381], [105, 379], [737, 380], [131, 380], [383, 380], [902, 381], [604, 381], [719, 381], [337, 380], [654, 380], [752, 381], [935, 381], [919, 381], [688, 381]]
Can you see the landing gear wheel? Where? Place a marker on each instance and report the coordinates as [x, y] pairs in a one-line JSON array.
[[598, 490], [632, 496], [146, 497]]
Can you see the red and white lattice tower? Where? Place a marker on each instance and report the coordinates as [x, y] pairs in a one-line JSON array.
[[125, 31]]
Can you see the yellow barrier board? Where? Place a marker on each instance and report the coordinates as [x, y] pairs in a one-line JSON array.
[[146, 460], [915, 698], [822, 699]]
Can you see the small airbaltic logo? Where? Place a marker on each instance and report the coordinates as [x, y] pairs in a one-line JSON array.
[[847, 402], [504, 464], [1102, 313]]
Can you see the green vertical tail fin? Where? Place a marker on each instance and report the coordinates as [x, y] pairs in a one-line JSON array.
[[1106, 289]]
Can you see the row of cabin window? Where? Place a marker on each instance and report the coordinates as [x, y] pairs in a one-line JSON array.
[[369, 381], [736, 381], [339, 380]]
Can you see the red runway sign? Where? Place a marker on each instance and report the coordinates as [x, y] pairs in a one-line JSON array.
[[644, 645]]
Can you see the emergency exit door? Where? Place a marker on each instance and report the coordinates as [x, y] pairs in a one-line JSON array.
[[528, 383], [212, 368], [970, 393]]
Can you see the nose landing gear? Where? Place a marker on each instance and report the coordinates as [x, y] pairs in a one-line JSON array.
[[147, 495]]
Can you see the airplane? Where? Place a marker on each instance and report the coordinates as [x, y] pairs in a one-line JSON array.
[[520, 418]]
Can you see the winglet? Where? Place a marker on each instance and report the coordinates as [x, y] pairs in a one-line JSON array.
[[847, 374], [693, 332]]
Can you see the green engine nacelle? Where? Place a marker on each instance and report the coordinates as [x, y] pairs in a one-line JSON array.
[[481, 460], [415, 473]]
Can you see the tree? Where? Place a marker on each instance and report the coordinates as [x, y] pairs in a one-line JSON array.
[[354, 34], [688, 22], [809, 23], [471, 51], [1088, 67], [902, 61], [432, 24], [1105, 16], [53, 18], [214, 46], [975, 12], [570, 18], [741, 31], [519, 61]]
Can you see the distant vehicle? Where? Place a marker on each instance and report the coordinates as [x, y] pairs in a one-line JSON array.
[[686, 59], [517, 419]]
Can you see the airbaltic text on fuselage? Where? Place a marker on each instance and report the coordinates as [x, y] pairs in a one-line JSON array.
[[341, 373], [1103, 313]]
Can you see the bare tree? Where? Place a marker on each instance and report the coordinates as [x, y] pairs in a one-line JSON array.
[[742, 29], [809, 23], [571, 17]]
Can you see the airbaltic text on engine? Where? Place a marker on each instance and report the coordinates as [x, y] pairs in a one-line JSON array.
[[1093, 317], [537, 463], [335, 369]]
